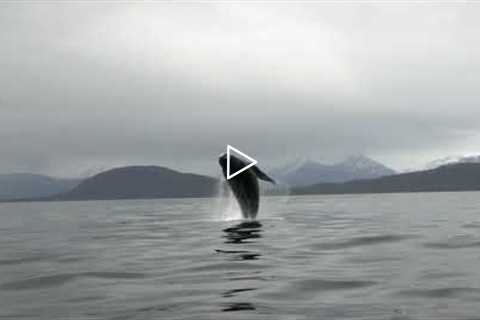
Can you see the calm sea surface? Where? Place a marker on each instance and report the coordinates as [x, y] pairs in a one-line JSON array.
[[396, 256]]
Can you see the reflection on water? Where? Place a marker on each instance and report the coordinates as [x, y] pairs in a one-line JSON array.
[[241, 235], [239, 306], [243, 232], [232, 293]]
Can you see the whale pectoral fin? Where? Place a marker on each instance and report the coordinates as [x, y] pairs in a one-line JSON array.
[[262, 175]]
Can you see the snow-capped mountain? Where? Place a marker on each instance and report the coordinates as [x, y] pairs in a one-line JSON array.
[[306, 172], [469, 158]]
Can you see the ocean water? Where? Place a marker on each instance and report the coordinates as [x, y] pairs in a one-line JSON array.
[[393, 256]]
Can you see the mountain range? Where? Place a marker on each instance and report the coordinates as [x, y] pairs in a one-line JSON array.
[[450, 177], [28, 185], [468, 158], [354, 175], [308, 172]]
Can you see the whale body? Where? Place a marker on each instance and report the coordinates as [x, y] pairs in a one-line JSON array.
[[244, 186]]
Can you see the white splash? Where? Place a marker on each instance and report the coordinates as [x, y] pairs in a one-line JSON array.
[[231, 210], [227, 208]]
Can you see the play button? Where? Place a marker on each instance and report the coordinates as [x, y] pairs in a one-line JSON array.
[[251, 162]]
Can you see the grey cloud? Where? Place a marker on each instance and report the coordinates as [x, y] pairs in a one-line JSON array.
[[93, 86]]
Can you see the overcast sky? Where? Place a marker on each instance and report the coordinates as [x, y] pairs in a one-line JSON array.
[[90, 86]]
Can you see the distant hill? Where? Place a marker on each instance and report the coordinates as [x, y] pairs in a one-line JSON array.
[[303, 173], [141, 182], [28, 185], [454, 177]]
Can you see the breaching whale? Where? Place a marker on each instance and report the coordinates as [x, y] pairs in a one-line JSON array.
[[244, 185]]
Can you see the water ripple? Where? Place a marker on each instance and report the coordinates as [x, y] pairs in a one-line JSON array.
[[363, 241], [457, 242], [327, 285], [60, 279], [451, 292]]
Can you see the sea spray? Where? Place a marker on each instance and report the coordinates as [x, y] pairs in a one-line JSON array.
[[227, 208]]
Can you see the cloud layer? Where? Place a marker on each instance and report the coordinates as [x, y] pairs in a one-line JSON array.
[[90, 86]]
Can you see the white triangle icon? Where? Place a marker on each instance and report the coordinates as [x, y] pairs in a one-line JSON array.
[[251, 164]]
